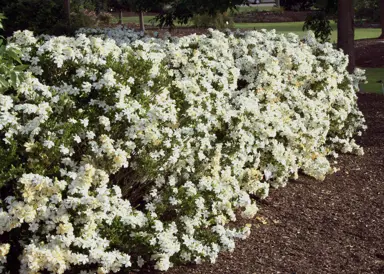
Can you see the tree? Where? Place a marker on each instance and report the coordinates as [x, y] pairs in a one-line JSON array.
[[183, 10], [135, 5], [67, 10], [38, 16], [319, 21], [346, 30], [345, 25], [381, 3]]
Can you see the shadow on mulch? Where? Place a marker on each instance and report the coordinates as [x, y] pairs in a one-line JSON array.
[[334, 226]]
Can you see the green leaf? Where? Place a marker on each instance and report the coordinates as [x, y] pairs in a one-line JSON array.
[[14, 55], [3, 81], [14, 78], [21, 67]]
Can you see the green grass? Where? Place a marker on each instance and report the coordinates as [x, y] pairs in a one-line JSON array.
[[373, 75], [297, 28]]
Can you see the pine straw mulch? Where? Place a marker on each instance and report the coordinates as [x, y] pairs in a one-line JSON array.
[[334, 226]]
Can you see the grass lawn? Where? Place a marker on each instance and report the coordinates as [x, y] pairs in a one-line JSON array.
[[297, 27], [373, 75]]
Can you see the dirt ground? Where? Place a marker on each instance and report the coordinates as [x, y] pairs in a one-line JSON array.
[[370, 53], [271, 17], [334, 226]]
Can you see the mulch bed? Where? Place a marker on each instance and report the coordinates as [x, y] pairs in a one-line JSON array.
[[370, 53], [334, 226], [271, 16]]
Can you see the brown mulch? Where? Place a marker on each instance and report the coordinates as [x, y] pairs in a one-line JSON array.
[[334, 226], [271, 16], [370, 53]]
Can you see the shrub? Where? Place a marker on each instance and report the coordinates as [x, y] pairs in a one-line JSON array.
[[134, 152], [105, 18], [35, 15], [83, 19], [47, 16], [11, 67], [219, 21], [297, 5], [367, 10]]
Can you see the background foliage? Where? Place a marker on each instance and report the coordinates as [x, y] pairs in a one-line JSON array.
[[297, 5], [11, 67], [39, 16]]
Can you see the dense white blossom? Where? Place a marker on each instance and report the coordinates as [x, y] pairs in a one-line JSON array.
[[197, 124]]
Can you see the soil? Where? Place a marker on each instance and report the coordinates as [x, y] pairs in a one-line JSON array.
[[370, 53], [271, 16], [334, 226]]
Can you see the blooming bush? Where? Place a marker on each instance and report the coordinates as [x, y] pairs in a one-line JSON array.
[[105, 18], [119, 151]]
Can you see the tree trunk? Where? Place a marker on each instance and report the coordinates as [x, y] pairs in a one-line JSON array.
[[346, 31], [141, 15], [381, 4], [67, 11], [120, 17]]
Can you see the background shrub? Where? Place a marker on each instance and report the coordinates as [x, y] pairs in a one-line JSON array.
[[105, 18], [47, 16], [297, 5], [83, 19], [39, 16], [11, 71], [367, 10], [218, 21]]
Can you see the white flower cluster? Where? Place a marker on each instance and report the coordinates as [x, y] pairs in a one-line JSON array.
[[130, 151], [4, 250], [121, 34]]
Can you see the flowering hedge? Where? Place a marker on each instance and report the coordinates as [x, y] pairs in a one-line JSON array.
[[119, 150]]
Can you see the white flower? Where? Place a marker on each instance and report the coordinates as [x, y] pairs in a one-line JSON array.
[[33, 227], [84, 122], [77, 139], [48, 144], [90, 135], [140, 261], [131, 80], [250, 211], [239, 113], [105, 122], [64, 150]]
